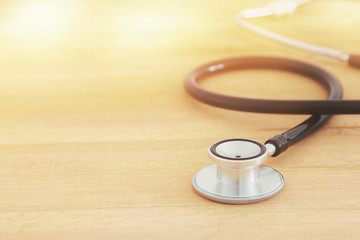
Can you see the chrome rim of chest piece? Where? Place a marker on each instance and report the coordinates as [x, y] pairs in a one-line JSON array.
[[238, 176]]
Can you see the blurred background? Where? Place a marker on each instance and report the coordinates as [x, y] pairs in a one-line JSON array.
[[111, 59], [96, 57], [92, 96]]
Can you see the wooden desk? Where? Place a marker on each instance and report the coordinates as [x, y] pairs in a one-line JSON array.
[[99, 139]]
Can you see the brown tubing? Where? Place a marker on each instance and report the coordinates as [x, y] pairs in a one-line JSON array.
[[333, 105], [354, 61], [321, 108]]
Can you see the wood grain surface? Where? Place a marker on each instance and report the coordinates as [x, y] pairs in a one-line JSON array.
[[99, 139]]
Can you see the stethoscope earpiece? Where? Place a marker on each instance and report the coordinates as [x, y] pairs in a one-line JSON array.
[[238, 176]]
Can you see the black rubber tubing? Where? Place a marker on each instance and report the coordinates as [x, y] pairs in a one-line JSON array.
[[321, 109]]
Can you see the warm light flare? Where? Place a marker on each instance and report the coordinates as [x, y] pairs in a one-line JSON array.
[[148, 22], [36, 20], [146, 28]]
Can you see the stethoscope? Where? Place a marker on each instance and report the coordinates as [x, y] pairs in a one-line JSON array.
[[238, 175]]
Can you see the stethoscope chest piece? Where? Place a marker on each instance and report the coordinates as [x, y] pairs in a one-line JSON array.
[[238, 176]]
